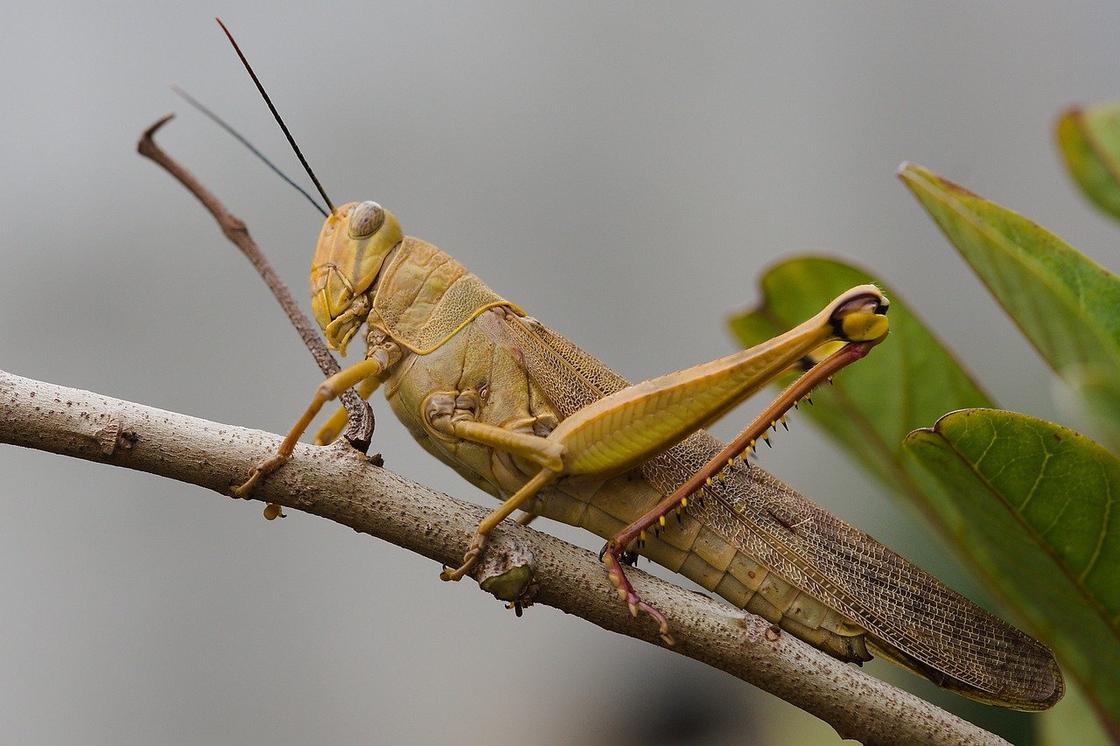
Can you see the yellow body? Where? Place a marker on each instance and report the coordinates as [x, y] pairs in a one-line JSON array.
[[529, 417]]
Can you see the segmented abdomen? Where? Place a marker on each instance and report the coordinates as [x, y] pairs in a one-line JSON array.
[[701, 555]]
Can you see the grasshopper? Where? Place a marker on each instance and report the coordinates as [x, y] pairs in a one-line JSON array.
[[529, 417]]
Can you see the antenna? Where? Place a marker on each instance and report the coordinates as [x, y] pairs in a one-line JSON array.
[[276, 116], [241, 139]]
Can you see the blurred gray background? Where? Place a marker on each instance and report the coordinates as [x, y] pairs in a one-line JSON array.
[[624, 172]]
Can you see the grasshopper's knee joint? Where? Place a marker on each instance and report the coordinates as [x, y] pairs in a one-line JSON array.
[[860, 315]]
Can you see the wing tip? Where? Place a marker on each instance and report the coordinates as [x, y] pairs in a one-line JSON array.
[[1051, 685], [1041, 689]]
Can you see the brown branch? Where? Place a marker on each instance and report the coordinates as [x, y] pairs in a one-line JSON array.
[[359, 430], [338, 483]]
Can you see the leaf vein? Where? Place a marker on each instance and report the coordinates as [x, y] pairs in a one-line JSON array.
[[1104, 528]]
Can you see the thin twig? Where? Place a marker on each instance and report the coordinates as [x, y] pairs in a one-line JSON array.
[[359, 430], [339, 484]]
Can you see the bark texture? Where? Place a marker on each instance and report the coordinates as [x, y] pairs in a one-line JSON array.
[[342, 485]]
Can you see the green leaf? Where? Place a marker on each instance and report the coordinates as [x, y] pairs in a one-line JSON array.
[[1067, 305], [1038, 506], [907, 382], [1089, 140]]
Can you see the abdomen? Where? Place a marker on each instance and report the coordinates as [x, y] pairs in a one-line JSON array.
[[701, 554]]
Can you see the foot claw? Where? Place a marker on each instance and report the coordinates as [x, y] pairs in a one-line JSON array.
[[470, 559], [261, 470], [634, 602], [244, 489], [662, 622]]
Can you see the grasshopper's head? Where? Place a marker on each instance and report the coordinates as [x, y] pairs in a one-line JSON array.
[[352, 247]]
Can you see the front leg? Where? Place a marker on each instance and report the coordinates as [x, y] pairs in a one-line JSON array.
[[332, 428], [327, 390]]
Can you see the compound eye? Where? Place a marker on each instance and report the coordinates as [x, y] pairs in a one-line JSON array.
[[365, 219]]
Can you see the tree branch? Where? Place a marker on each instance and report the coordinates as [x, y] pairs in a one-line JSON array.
[[340, 484]]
